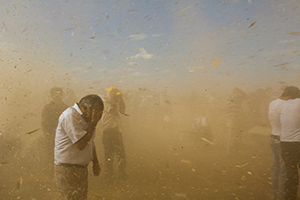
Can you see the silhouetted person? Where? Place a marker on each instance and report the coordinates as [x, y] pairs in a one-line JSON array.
[[202, 128], [74, 147], [50, 115], [278, 173], [112, 133], [235, 119], [290, 140]]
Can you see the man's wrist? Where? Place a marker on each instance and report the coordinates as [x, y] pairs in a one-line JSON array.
[[93, 125]]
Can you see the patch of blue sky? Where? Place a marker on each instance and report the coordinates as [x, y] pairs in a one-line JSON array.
[[158, 38]]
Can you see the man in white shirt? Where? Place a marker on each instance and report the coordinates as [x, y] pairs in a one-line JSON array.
[[74, 147], [278, 173], [290, 141]]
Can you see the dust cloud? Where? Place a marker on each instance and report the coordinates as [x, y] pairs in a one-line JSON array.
[[166, 158], [166, 87]]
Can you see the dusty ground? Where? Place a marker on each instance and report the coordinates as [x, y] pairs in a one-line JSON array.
[[162, 164]]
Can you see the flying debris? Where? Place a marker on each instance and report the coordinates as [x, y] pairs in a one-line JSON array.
[[97, 195], [252, 24], [33, 131], [186, 161], [132, 10], [216, 62], [281, 82], [282, 64], [294, 33], [209, 142]]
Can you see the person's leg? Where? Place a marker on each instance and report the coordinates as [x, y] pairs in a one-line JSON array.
[[60, 179], [108, 154], [72, 182], [120, 151], [289, 151], [78, 179], [278, 173], [275, 168], [282, 176]]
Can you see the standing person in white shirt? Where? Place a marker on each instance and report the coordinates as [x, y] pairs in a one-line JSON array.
[[74, 147], [278, 173], [290, 141]]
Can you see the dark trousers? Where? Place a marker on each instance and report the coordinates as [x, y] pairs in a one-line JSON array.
[[291, 156], [113, 145]]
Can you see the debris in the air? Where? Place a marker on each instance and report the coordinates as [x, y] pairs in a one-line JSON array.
[[252, 24], [216, 62], [186, 161], [294, 33], [32, 131]]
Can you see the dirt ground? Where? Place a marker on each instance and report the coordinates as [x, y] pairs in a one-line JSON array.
[[162, 163]]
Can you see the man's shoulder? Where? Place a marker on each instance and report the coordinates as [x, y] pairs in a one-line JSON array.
[[48, 107], [276, 101], [69, 111], [292, 103], [49, 104]]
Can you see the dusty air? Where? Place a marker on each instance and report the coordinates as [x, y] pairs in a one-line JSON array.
[[174, 100]]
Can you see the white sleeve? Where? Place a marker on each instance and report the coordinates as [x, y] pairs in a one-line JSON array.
[[73, 128]]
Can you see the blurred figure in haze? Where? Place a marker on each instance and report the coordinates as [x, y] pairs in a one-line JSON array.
[[202, 128], [112, 133], [50, 115], [278, 174], [290, 140], [74, 147], [235, 119]]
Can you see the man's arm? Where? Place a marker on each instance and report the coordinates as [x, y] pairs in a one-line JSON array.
[[81, 144], [96, 166]]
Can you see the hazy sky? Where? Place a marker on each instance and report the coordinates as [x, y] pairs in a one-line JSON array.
[[160, 44]]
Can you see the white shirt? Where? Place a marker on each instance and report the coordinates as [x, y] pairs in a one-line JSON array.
[[275, 108], [290, 121], [71, 128]]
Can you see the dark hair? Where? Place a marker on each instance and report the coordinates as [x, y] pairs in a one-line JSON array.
[[292, 92], [55, 89], [90, 101]]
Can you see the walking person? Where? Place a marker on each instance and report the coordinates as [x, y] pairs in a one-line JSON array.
[[290, 140], [74, 147], [278, 173]]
